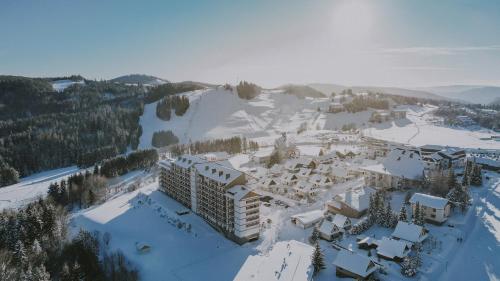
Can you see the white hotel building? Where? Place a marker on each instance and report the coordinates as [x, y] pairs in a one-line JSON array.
[[215, 192]]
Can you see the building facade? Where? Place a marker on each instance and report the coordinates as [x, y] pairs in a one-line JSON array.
[[216, 193]]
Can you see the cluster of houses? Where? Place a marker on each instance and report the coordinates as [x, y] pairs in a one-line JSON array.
[[302, 177]]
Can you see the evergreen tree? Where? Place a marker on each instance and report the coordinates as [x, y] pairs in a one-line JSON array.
[[416, 213], [40, 273], [421, 216], [20, 256], [476, 177], [318, 259], [314, 236], [402, 214]]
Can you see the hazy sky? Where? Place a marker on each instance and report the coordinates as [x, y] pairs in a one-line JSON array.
[[351, 42]]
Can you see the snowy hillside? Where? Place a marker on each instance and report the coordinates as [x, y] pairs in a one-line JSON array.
[[60, 85], [264, 117], [419, 129]]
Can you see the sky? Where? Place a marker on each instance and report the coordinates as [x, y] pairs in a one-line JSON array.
[[271, 43]]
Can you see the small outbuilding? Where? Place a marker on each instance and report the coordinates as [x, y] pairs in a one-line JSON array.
[[308, 219], [410, 232], [350, 264], [435, 209]]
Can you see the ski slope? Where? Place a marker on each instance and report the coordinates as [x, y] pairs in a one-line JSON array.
[[217, 113]]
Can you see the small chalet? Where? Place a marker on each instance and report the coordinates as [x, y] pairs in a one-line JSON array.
[[436, 209], [409, 232], [350, 264], [304, 173], [304, 189], [289, 179], [392, 249], [318, 180], [308, 219], [329, 231], [342, 221]]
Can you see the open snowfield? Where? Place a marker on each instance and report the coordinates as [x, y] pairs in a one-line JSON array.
[[32, 187], [418, 130]]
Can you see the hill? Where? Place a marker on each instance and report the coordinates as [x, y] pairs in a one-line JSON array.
[[327, 89], [468, 93], [302, 91], [139, 79]]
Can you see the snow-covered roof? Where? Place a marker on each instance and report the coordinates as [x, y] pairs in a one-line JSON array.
[[264, 152], [391, 248], [327, 227], [309, 217], [409, 232], [355, 263], [339, 220], [289, 177], [358, 199], [269, 181], [287, 261], [487, 161], [239, 192], [187, 160], [368, 241], [304, 186], [404, 163], [217, 172], [429, 200], [340, 171], [431, 147]]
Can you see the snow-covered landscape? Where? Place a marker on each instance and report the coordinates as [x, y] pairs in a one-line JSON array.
[[250, 140]]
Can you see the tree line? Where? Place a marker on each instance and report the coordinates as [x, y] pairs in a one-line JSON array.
[[247, 90], [121, 165], [231, 145], [179, 104], [158, 92]]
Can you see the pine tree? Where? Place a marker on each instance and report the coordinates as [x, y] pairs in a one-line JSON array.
[[476, 177], [20, 256], [371, 209], [318, 259], [388, 215], [314, 236], [40, 273], [402, 214], [416, 213], [421, 217]]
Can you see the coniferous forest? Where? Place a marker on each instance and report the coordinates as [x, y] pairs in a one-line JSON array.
[[42, 129]]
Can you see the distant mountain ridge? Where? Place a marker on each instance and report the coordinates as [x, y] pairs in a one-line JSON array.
[[302, 91], [327, 89], [139, 79], [468, 93]]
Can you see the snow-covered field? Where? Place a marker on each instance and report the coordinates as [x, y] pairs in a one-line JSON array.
[[32, 187], [418, 130], [60, 85]]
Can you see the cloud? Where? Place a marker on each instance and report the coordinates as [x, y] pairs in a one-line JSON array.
[[439, 51]]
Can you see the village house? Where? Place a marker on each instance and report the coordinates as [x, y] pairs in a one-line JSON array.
[[304, 189], [453, 157], [287, 261], [341, 221], [366, 242], [402, 168], [215, 192], [379, 116], [351, 264], [436, 209], [289, 179], [328, 158], [486, 163], [336, 107], [323, 169], [328, 230], [308, 219], [409, 232], [294, 165], [318, 180], [305, 173], [262, 156], [392, 249], [353, 203]]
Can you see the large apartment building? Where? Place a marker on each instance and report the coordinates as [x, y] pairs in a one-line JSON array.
[[215, 192]]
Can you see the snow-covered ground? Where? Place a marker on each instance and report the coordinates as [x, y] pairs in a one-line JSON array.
[[32, 187], [418, 129], [60, 85]]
